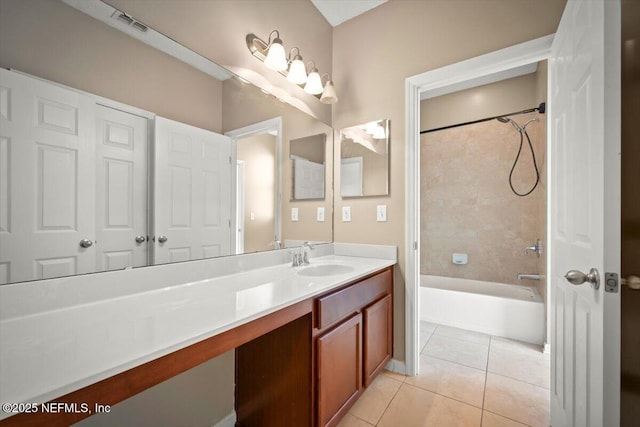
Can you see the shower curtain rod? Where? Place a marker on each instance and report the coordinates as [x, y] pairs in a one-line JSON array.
[[540, 108]]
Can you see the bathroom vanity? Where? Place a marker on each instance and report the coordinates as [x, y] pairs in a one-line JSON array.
[[308, 340]]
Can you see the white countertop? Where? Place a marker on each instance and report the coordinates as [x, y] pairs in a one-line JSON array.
[[49, 353]]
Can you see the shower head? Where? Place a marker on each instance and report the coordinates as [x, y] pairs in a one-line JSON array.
[[508, 120]]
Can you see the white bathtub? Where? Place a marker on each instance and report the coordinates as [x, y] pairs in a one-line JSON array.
[[509, 311]]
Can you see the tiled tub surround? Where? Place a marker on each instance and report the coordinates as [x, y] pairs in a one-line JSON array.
[[467, 205], [59, 335]]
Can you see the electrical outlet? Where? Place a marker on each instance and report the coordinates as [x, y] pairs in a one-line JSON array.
[[381, 213], [346, 214], [252, 216], [294, 214], [320, 214]]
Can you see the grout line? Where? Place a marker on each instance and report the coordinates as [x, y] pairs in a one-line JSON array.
[[451, 361], [444, 395], [511, 419], [486, 376], [355, 416], [389, 404], [521, 381]]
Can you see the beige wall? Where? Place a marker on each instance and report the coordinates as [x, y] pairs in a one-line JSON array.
[[56, 42], [259, 156], [217, 30], [312, 148], [506, 96], [375, 52], [295, 124], [467, 205]]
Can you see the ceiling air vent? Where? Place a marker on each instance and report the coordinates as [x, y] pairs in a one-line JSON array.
[[129, 21]]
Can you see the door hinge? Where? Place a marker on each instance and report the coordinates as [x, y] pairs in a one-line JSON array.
[[229, 159], [415, 246], [229, 223], [611, 282]]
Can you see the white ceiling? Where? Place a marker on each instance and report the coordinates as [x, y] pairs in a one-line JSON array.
[[338, 11]]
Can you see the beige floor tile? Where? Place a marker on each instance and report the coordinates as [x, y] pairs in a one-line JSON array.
[[454, 350], [517, 400], [492, 420], [353, 421], [513, 345], [463, 334], [427, 326], [394, 375], [531, 367], [450, 379], [375, 399], [415, 407]]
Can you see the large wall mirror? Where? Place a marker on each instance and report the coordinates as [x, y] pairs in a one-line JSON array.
[[115, 154], [364, 159]]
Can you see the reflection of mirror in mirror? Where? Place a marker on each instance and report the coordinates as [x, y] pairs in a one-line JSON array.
[[116, 163], [308, 167], [364, 159]]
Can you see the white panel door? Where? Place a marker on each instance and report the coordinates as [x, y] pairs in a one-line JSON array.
[[121, 189], [47, 179], [193, 200], [584, 211]]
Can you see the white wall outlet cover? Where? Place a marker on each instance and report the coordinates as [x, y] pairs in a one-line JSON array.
[[294, 214], [320, 214], [346, 214], [381, 213], [460, 258], [252, 215]]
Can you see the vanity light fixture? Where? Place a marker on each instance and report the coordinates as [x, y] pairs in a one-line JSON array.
[[379, 133], [272, 53], [329, 95], [314, 82], [276, 58], [297, 70]]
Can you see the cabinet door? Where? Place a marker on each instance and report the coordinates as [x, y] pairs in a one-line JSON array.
[[339, 370], [377, 338]]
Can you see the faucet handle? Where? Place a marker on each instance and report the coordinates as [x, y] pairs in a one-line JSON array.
[[296, 258]]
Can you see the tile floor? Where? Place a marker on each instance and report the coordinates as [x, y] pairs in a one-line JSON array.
[[466, 379]]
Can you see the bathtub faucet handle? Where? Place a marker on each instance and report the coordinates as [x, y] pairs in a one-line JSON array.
[[537, 248]]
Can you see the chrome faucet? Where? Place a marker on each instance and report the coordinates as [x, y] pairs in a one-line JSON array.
[[537, 248], [305, 253], [301, 256]]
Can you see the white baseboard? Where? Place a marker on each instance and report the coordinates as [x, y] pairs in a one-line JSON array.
[[396, 366], [228, 421], [547, 348]]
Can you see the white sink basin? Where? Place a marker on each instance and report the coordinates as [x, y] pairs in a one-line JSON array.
[[325, 270]]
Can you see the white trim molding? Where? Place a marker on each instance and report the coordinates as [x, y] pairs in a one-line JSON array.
[[228, 421], [460, 74]]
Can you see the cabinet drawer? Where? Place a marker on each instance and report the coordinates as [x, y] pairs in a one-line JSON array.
[[340, 304]]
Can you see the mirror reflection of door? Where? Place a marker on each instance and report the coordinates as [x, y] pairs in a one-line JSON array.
[[351, 177], [258, 193]]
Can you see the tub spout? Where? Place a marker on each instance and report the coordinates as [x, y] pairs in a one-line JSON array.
[[529, 277]]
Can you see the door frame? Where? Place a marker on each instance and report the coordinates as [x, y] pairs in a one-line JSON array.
[[273, 125], [239, 230], [451, 78]]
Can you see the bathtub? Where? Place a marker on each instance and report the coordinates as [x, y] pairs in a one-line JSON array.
[[509, 311]]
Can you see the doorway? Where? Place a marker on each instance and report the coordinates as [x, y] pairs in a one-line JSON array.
[[256, 160]]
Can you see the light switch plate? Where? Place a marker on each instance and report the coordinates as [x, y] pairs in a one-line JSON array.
[[346, 214], [381, 213], [320, 214], [294, 214]]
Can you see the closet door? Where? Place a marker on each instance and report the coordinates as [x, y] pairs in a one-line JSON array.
[[192, 192], [47, 180], [121, 189]]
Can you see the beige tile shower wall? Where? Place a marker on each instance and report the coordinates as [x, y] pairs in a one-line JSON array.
[[467, 205]]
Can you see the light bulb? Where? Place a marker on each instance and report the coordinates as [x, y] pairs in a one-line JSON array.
[[297, 71], [371, 127], [276, 58], [314, 83], [379, 133], [329, 95]]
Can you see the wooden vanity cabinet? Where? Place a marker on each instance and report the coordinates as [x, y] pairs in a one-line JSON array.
[[353, 343]]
